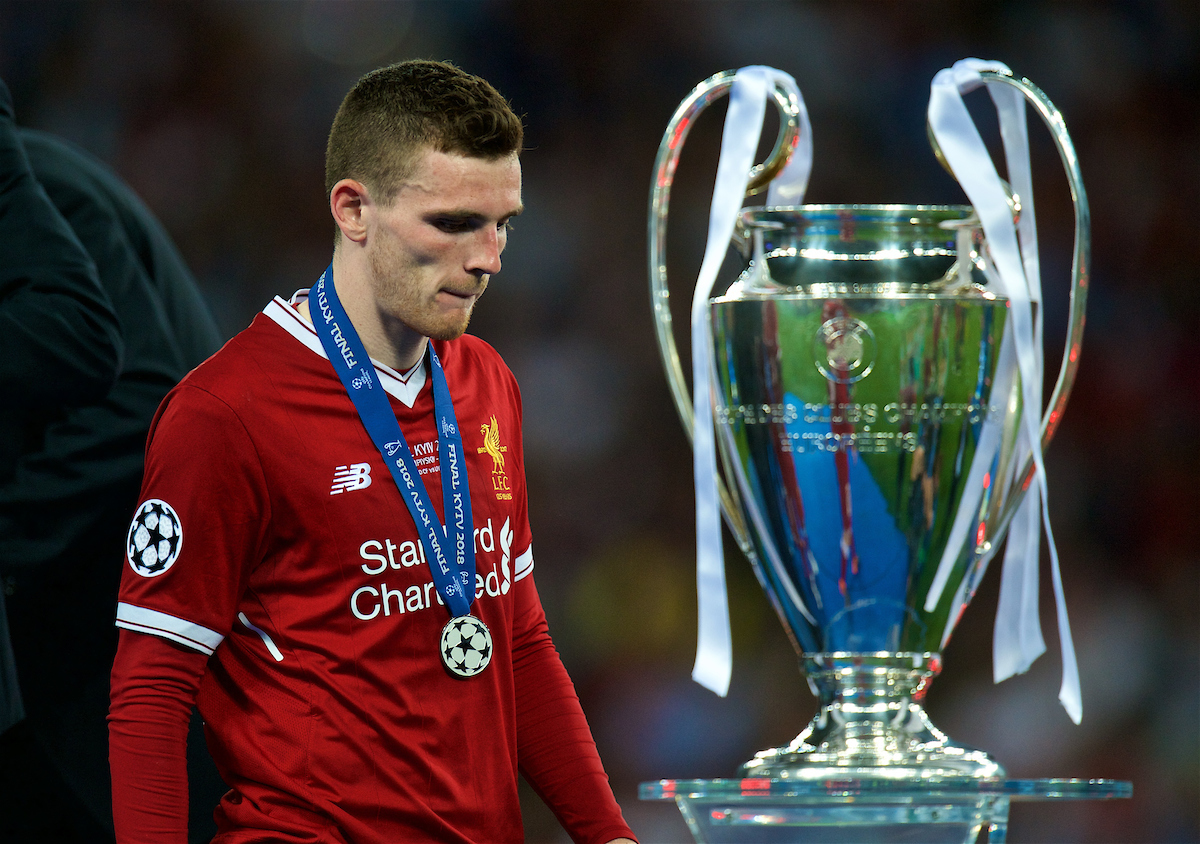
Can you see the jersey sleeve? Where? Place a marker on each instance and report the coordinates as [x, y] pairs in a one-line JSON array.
[[154, 684], [555, 748], [200, 527]]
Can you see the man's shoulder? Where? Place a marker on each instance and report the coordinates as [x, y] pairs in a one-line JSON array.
[[472, 353], [249, 356], [57, 161], [237, 388]]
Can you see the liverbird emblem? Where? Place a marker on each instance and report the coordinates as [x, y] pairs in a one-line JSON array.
[[491, 444]]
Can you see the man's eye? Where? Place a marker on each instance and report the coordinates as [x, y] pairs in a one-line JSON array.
[[451, 226]]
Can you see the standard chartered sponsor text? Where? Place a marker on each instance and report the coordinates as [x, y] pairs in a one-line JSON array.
[[380, 556]]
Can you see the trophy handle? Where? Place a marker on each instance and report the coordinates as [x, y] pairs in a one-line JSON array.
[[1080, 271], [702, 96]]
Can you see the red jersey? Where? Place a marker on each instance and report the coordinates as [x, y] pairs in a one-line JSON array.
[[272, 536]]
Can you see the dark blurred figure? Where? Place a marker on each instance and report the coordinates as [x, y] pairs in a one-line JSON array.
[[99, 318]]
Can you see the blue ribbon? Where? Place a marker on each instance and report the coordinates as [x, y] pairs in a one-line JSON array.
[[450, 550]]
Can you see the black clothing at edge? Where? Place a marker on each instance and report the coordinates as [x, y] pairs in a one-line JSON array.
[[99, 319]]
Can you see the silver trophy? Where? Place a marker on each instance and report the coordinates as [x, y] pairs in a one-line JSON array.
[[866, 408]]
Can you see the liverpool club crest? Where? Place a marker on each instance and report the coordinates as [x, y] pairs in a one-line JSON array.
[[491, 444]]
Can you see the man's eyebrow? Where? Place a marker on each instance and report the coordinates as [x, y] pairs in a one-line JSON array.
[[465, 214]]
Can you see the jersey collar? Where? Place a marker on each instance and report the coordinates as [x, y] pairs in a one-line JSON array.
[[404, 386]]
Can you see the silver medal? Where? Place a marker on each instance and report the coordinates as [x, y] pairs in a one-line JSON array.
[[466, 646]]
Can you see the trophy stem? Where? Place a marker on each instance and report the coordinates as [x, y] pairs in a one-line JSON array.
[[871, 725]]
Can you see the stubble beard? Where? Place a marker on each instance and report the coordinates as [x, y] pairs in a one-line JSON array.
[[398, 296]]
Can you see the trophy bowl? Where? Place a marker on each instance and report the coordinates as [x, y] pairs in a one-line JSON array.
[[868, 405]]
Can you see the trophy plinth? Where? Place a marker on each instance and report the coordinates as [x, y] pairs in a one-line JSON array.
[[871, 725], [852, 810]]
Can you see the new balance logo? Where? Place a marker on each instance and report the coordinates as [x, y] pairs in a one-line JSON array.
[[354, 476]]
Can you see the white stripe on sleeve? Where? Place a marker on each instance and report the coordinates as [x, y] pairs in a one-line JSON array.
[[167, 626]]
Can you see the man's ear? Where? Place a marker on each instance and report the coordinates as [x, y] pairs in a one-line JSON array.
[[348, 201]]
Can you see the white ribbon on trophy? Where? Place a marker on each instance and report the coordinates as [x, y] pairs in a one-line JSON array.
[[1013, 251], [743, 127]]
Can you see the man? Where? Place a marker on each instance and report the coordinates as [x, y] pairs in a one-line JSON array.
[[348, 538], [99, 319]]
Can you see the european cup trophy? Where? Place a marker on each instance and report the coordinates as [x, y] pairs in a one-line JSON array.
[[872, 382]]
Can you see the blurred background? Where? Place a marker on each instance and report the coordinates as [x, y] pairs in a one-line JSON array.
[[217, 112]]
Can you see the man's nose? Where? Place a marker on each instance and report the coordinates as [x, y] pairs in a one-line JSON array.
[[485, 254]]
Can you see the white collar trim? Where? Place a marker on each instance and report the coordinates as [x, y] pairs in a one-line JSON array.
[[404, 386]]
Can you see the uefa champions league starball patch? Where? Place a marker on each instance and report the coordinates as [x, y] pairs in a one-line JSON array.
[[466, 646], [155, 538]]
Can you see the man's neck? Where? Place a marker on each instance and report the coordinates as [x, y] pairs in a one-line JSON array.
[[400, 352]]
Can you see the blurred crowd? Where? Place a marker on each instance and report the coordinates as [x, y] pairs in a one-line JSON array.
[[216, 112]]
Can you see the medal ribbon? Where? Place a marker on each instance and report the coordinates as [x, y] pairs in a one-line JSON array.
[[450, 550]]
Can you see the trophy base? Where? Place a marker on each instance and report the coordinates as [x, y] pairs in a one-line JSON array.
[[857, 811], [871, 726]]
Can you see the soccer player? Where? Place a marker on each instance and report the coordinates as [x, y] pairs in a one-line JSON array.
[[332, 556]]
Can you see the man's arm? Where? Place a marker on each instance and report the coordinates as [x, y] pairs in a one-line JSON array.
[[154, 685], [60, 339], [555, 748], [202, 470]]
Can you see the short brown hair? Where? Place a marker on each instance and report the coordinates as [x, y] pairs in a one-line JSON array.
[[394, 112]]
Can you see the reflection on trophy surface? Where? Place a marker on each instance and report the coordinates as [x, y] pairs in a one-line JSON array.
[[868, 404]]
